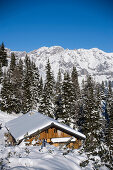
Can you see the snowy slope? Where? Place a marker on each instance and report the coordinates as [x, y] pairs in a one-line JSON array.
[[93, 61], [32, 157]]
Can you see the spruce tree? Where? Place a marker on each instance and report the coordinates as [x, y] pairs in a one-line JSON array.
[[65, 99], [46, 103], [49, 82], [58, 106], [103, 96], [20, 69], [76, 97], [12, 62], [9, 101], [109, 129], [49, 90], [6, 93], [3, 55], [15, 90], [35, 86], [81, 117], [42, 97], [43, 103], [74, 77], [18, 76], [40, 87], [92, 120], [27, 102], [68, 99], [109, 138], [1, 73]]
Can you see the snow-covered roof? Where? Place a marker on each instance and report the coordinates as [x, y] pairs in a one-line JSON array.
[[34, 121]]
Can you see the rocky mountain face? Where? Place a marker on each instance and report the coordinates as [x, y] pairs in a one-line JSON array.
[[93, 61]]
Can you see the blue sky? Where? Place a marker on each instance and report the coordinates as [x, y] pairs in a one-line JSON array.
[[26, 25]]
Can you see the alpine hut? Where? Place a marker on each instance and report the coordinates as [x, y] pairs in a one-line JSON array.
[[35, 127]]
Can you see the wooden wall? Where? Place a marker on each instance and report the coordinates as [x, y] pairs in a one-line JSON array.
[[53, 133]]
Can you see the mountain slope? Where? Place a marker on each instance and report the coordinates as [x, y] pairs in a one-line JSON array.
[[93, 61]]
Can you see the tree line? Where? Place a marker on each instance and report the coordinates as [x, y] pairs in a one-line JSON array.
[[89, 108]]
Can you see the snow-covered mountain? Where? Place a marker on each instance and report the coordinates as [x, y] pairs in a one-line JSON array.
[[93, 61]]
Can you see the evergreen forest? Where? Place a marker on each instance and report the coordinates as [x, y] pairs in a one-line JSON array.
[[87, 107]]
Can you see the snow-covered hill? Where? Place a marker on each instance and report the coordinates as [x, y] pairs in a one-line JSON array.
[[93, 61]]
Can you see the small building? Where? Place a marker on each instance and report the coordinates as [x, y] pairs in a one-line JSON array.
[[34, 128]]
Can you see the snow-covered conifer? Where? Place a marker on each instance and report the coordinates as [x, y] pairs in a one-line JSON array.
[[3, 55], [48, 93]]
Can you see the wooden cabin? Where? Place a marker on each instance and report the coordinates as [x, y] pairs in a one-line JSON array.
[[34, 128]]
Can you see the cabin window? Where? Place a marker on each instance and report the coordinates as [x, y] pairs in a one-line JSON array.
[[46, 131], [55, 130]]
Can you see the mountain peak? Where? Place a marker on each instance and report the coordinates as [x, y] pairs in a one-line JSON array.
[[95, 49]]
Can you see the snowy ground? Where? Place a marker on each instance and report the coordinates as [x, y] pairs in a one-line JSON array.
[[33, 157]]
